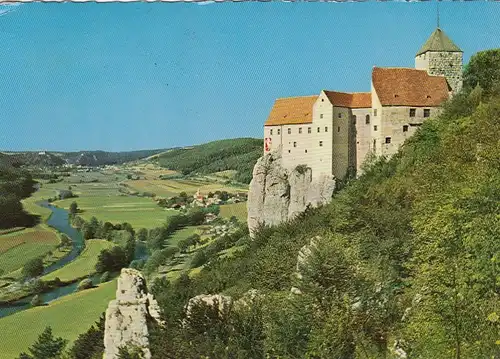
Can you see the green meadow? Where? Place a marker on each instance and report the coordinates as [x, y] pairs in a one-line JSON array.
[[68, 316], [239, 210], [19, 247], [84, 264]]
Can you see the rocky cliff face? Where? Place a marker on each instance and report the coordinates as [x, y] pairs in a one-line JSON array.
[[127, 316], [277, 195]]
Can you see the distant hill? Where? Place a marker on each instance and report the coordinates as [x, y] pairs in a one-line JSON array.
[[239, 154], [84, 158]]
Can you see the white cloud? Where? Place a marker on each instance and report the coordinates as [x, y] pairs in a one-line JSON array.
[[201, 3]]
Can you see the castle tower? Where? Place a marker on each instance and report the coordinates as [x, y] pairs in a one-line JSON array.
[[440, 56]]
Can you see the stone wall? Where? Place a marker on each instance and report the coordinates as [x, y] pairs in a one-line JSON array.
[[127, 316], [277, 194]]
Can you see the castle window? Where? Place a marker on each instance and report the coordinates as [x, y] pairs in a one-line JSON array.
[[405, 128], [305, 151], [375, 128], [279, 131], [374, 112], [412, 112], [340, 114], [289, 130], [295, 144], [300, 129], [320, 115], [427, 112], [387, 140], [271, 131], [367, 119], [374, 145], [289, 151], [354, 119], [322, 100], [320, 143], [326, 128], [318, 130], [309, 130], [338, 129]]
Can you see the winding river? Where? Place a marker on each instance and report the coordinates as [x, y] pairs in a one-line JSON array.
[[58, 220]]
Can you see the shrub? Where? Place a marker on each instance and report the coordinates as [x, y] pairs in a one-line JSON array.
[[85, 284], [36, 301], [105, 277]]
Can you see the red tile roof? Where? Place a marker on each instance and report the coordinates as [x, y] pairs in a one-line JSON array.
[[409, 87], [291, 110], [350, 100]]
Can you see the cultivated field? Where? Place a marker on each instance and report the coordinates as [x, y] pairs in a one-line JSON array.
[[84, 264], [19, 247], [239, 210], [172, 187], [68, 316]]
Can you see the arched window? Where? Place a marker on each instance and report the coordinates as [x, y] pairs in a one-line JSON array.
[[367, 119]]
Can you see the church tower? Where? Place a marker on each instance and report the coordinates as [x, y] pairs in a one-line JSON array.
[[440, 56]]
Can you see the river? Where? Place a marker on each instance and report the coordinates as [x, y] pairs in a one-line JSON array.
[[58, 220]]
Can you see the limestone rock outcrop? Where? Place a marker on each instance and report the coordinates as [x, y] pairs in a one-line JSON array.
[[223, 302], [277, 194], [127, 316], [303, 258]]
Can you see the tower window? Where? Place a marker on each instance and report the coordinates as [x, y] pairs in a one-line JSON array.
[[289, 131], [271, 131], [367, 119], [305, 151], [295, 144], [338, 129], [318, 130], [300, 129], [405, 128], [309, 130], [374, 112], [340, 114], [427, 112], [412, 112], [320, 143], [326, 128], [375, 128], [387, 140], [320, 115], [279, 131]]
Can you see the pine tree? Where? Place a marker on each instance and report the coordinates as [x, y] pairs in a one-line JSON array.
[[46, 347]]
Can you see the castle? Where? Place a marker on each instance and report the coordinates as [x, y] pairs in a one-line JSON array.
[[333, 132]]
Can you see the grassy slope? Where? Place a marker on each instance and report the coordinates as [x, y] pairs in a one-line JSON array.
[[19, 247], [69, 317], [84, 264]]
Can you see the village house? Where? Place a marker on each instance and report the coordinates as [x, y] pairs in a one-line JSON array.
[[334, 132]]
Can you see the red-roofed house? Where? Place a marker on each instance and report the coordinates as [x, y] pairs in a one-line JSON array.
[[333, 132]]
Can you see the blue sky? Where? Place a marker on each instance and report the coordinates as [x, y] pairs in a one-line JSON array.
[[123, 76]]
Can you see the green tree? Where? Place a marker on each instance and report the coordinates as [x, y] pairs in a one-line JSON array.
[[483, 69], [90, 344], [73, 208], [46, 347], [142, 235], [33, 268]]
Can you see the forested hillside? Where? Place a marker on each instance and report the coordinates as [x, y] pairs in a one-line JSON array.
[[235, 154], [14, 186]]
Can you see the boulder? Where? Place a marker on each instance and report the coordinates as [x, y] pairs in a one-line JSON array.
[[127, 316]]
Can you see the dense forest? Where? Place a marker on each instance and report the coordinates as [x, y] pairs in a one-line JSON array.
[[235, 154], [15, 185], [403, 263]]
